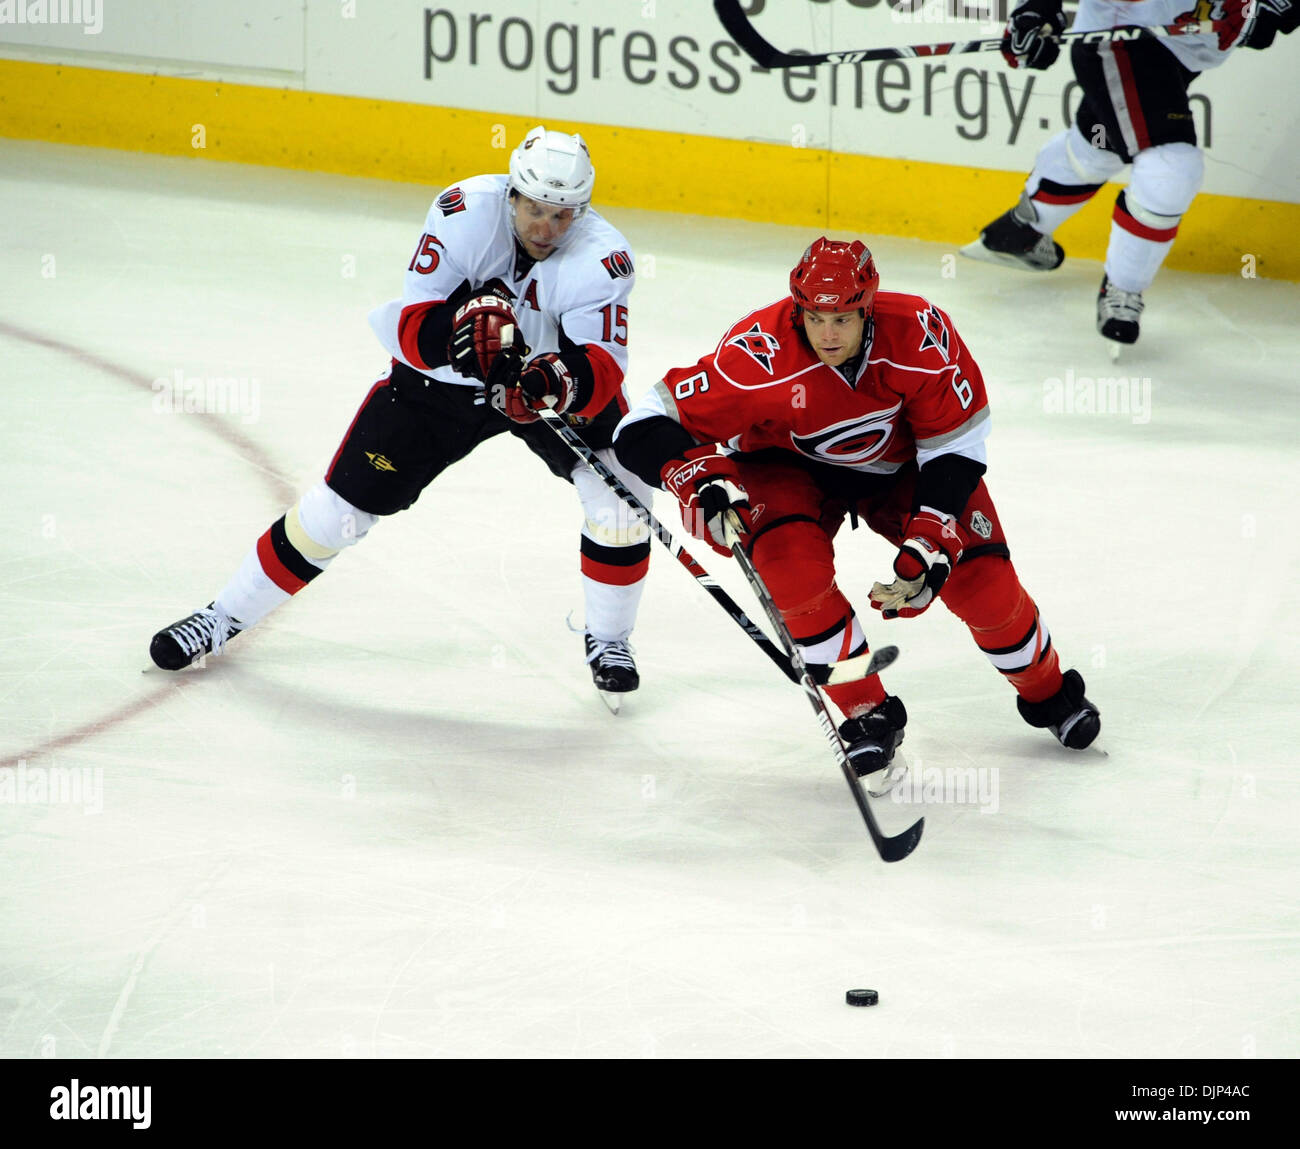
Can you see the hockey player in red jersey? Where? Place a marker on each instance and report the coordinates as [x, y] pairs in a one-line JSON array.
[[845, 400], [1134, 110], [516, 296]]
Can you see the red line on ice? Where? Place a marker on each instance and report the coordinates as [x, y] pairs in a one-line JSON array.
[[282, 491]]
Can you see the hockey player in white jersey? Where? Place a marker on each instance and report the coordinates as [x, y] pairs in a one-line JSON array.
[[515, 297], [1134, 110]]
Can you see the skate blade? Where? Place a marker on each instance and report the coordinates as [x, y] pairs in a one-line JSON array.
[[879, 784], [1115, 349], [977, 250], [613, 701], [154, 668]]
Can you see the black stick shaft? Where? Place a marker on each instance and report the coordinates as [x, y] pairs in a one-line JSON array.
[[747, 37], [893, 849], [683, 556]]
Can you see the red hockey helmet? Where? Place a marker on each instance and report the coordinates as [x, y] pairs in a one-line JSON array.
[[834, 275]]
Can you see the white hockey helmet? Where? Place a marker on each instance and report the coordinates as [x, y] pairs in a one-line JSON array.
[[554, 169]]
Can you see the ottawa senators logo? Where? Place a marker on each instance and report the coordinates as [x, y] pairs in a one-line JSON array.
[[451, 201], [618, 264], [758, 345], [936, 331], [852, 442]]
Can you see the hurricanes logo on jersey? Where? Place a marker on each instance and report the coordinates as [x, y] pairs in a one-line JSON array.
[[936, 331], [851, 442], [758, 344]]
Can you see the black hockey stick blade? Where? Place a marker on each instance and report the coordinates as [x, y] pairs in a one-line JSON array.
[[747, 38], [890, 849], [739, 28]]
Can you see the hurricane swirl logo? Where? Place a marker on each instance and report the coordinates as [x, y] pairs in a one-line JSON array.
[[852, 442], [758, 344], [451, 201]]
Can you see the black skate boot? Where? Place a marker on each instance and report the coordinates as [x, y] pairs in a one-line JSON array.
[[1072, 718], [872, 738], [1012, 240], [612, 669], [1118, 312], [183, 643]]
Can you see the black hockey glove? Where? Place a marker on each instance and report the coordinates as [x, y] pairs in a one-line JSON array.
[[1031, 36], [1271, 17]]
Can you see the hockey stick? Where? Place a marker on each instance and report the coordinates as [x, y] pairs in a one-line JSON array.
[[762, 53], [847, 671], [683, 556], [893, 849]]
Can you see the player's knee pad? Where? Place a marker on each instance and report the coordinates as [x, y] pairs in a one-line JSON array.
[[322, 523], [797, 564], [1090, 164], [986, 594], [1165, 180], [610, 522]]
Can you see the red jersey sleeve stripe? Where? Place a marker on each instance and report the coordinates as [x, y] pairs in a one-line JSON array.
[[607, 380], [408, 330]]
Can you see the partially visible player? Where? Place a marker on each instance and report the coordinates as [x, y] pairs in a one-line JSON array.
[[1134, 110], [844, 400], [515, 297]]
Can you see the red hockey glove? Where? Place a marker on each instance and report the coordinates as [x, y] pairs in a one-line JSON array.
[[1031, 34], [708, 488], [481, 329], [930, 550], [545, 382]]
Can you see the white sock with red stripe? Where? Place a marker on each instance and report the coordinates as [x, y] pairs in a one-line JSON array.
[[292, 552], [1147, 214], [1069, 171]]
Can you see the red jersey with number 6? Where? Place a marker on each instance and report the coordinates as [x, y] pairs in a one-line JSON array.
[[917, 392]]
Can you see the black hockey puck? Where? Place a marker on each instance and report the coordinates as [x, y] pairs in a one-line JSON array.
[[862, 997]]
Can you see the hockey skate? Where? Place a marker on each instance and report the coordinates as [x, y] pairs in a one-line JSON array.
[[612, 670], [1118, 312], [1068, 714], [871, 740], [1013, 241], [188, 641]]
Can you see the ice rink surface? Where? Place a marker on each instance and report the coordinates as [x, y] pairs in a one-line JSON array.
[[396, 821]]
